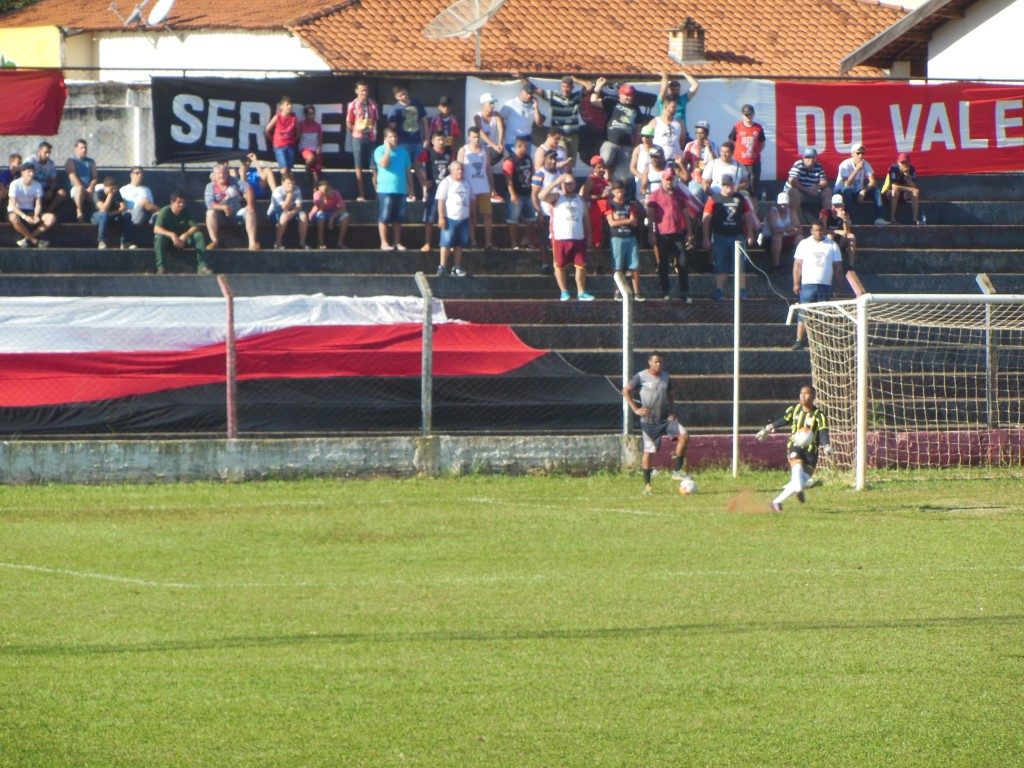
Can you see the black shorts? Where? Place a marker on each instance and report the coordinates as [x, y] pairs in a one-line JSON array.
[[809, 459]]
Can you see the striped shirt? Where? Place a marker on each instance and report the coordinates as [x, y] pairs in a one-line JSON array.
[[804, 176], [565, 111], [801, 419]]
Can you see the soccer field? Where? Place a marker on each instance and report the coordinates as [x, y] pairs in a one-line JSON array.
[[493, 621]]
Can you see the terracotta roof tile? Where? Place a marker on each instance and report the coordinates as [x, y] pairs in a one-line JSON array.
[[742, 37]]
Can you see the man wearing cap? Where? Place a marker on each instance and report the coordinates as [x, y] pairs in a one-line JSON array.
[[815, 269], [656, 165], [670, 220], [808, 183], [782, 230], [492, 135], [839, 227], [640, 160], [570, 233], [545, 175], [622, 129], [696, 156], [903, 185], [553, 141], [749, 139], [673, 89], [520, 114], [565, 110], [445, 123], [856, 182], [728, 215]]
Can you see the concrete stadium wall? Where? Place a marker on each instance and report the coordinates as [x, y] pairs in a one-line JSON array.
[[96, 462]]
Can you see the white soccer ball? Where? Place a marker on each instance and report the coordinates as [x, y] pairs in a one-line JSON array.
[[802, 437], [687, 487]]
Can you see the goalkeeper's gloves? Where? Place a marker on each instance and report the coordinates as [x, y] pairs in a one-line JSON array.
[[827, 449], [763, 434]]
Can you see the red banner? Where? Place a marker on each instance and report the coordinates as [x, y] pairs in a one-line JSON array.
[[948, 128], [34, 102]]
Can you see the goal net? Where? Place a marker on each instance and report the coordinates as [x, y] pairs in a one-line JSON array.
[[920, 381]]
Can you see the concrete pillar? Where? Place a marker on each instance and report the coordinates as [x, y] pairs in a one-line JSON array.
[[427, 456]]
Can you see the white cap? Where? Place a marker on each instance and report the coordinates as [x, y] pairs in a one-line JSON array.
[[837, 199], [487, 98], [782, 199]]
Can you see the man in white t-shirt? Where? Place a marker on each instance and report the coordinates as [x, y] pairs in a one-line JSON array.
[[520, 114], [570, 233], [477, 165], [25, 209], [816, 267], [138, 199], [856, 183], [454, 217]]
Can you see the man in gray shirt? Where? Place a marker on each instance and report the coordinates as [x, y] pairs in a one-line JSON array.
[[657, 416]]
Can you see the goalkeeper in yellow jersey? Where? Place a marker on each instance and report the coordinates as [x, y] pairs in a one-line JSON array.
[[808, 437]]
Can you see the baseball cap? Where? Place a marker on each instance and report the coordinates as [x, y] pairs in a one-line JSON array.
[[627, 90], [647, 130], [703, 124], [903, 158], [668, 174], [487, 98], [657, 151], [444, 101], [782, 199], [550, 153], [747, 109], [596, 159], [858, 148], [837, 199], [727, 179], [810, 152]]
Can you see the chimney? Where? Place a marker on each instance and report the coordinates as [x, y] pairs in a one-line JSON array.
[[686, 43]]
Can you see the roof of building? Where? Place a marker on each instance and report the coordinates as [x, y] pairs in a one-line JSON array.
[[742, 37], [907, 39], [620, 37]]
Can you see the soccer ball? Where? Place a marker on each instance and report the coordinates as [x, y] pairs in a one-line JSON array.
[[687, 487], [802, 437]]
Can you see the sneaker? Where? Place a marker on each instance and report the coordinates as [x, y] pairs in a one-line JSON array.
[[881, 222], [647, 491], [618, 296], [760, 239], [744, 295], [460, 272], [400, 247], [161, 271], [800, 497], [584, 296], [666, 297], [565, 296], [776, 506], [204, 270], [383, 248], [638, 297], [278, 247], [101, 245], [42, 243], [717, 295], [442, 271], [547, 269], [23, 243], [798, 346], [688, 299], [497, 198], [678, 474]]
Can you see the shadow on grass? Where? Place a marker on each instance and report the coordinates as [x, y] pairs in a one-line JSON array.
[[503, 636]]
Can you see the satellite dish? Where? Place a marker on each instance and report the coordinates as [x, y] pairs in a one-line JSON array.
[[133, 18], [461, 19], [160, 12]]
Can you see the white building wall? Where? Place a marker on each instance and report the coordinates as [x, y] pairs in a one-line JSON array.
[[983, 45], [119, 54]]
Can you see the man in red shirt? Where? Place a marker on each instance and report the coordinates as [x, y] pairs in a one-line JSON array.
[[670, 220], [749, 139]]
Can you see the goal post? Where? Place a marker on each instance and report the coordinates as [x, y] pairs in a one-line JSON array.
[[919, 380]]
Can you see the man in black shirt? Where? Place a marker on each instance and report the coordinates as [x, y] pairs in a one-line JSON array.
[[623, 130], [729, 216]]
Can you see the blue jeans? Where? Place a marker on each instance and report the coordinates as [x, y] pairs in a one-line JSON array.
[[285, 157], [873, 194], [102, 220], [390, 208]]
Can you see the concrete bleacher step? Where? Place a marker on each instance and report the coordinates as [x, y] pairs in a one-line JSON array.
[[694, 362], [656, 335]]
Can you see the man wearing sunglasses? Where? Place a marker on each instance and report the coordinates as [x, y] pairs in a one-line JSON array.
[[856, 183]]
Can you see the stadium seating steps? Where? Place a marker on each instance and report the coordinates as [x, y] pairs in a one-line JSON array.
[[971, 227]]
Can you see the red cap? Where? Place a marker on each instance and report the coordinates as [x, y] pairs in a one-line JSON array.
[[596, 159], [903, 158], [627, 90], [668, 174]]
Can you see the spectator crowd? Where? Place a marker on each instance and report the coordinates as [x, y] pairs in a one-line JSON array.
[[654, 178]]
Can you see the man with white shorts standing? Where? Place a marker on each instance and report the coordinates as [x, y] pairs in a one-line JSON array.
[[657, 416]]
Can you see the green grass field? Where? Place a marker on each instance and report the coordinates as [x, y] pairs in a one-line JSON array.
[[490, 621]]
